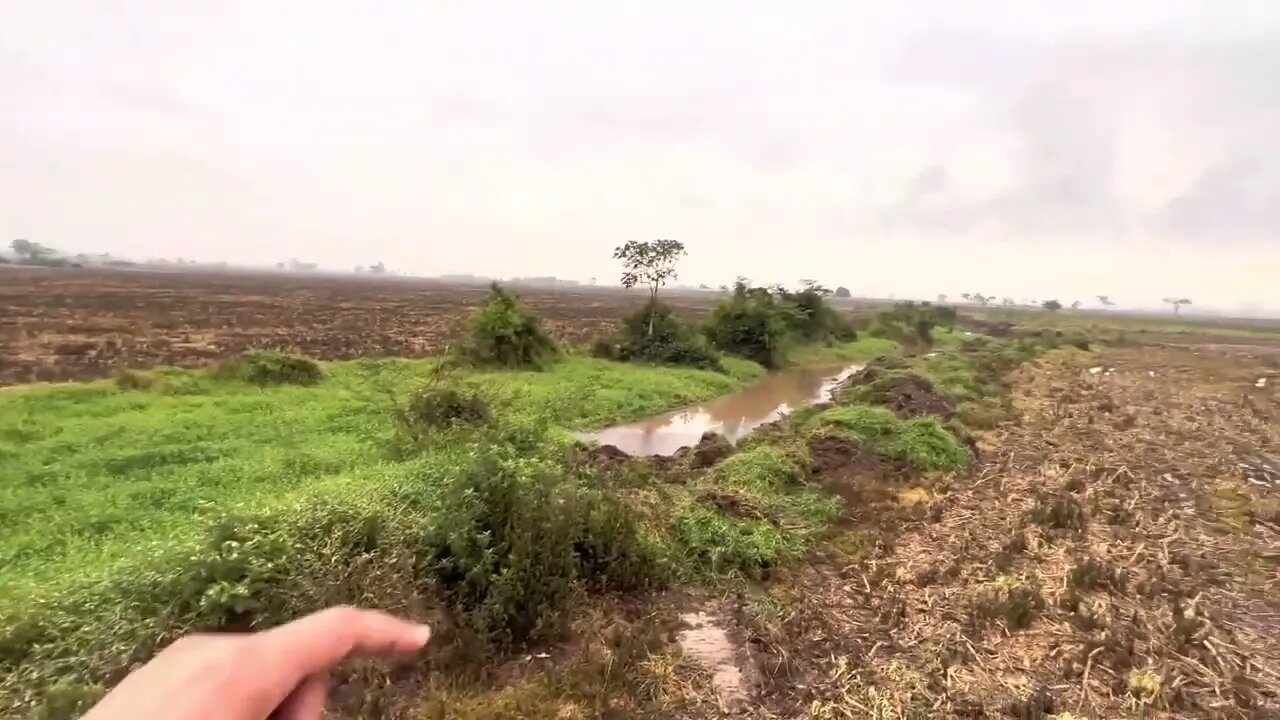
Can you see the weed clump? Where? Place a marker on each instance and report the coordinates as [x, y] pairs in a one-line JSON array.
[[654, 334], [133, 380], [435, 407], [270, 367], [910, 324], [922, 442], [504, 332], [511, 549], [713, 543], [1011, 598], [1059, 512]]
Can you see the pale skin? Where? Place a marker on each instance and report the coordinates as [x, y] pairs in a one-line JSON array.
[[282, 673]]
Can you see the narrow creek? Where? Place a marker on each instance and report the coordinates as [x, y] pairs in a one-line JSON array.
[[733, 416]]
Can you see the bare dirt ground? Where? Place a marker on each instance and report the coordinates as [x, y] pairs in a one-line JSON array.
[[78, 324], [1117, 555]]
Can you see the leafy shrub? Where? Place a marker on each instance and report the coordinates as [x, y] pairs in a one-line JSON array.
[[433, 407], [509, 550], [811, 319], [271, 367], [750, 323], [504, 332], [133, 380], [910, 323], [654, 334]]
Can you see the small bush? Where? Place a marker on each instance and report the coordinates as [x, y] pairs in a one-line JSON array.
[[510, 550], [504, 332], [752, 324], [271, 367], [911, 324], [434, 407], [811, 319], [133, 380], [654, 334]]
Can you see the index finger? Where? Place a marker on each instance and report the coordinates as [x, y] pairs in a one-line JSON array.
[[321, 640]]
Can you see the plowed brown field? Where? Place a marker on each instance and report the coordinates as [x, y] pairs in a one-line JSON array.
[[77, 324]]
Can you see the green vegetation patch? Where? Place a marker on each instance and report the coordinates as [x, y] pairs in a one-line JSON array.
[[505, 332], [268, 367], [923, 443]]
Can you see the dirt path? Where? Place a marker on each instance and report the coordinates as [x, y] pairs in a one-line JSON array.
[[1112, 558]]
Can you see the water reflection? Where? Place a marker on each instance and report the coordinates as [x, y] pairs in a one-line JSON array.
[[733, 416]]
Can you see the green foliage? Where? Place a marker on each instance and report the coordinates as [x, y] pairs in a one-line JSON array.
[[923, 443], [504, 332], [712, 543], [868, 424], [810, 319], [270, 367], [760, 470], [910, 323], [510, 550], [654, 334], [649, 263], [1051, 305], [433, 407], [926, 445], [751, 323]]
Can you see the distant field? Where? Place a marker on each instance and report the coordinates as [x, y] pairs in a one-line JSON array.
[[58, 325], [79, 324]]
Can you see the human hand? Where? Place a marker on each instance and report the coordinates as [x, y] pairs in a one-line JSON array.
[[282, 673]]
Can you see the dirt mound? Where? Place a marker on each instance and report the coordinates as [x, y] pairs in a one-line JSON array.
[[711, 449], [851, 471], [886, 382]]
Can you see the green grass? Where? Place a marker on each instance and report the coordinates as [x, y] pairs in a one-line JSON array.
[[860, 350], [92, 473], [923, 442]]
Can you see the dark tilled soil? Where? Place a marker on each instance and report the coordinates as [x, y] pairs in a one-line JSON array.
[[78, 324]]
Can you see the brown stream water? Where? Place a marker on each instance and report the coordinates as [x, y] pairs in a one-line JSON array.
[[733, 416]]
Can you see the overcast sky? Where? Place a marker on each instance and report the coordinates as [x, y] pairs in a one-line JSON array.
[[1022, 148]]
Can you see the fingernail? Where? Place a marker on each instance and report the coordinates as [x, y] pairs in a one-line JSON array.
[[423, 634]]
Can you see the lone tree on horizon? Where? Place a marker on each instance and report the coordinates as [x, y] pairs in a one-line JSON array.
[[1177, 303], [1051, 305], [1105, 300], [651, 263]]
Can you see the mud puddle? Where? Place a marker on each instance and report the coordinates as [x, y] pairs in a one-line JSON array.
[[707, 643], [733, 416]]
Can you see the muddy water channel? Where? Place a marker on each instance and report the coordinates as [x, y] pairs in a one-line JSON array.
[[733, 416]]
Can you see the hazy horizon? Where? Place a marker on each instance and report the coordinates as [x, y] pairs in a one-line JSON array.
[[1127, 150]]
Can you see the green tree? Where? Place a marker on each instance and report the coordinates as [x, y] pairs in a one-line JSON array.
[[1177, 303], [650, 263], [1051, 305], [27, 250], [1105, 301]]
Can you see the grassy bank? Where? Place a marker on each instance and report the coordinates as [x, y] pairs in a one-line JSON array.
[[174, 501], [93, 472]]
